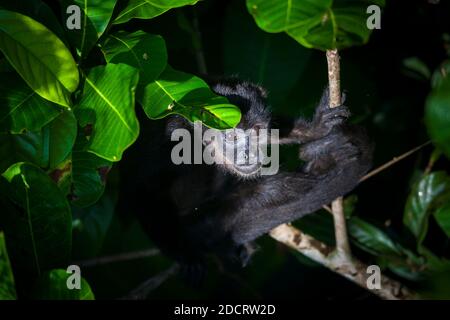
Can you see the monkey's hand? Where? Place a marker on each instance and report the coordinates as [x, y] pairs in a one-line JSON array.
[[323, 122]]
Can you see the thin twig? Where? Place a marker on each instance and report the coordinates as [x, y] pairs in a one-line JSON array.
[[387, 165], [393, 161], [353, 270], [143, 290], [334, 83], [117, 258], [334, 77]]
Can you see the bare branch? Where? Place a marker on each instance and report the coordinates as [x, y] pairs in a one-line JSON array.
[[353, 269], [334, 77], [117, 258], [393, 161], [143, 290], [340, 227], [334, 83]]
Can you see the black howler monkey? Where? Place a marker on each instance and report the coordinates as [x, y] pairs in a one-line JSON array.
[[189, 210]]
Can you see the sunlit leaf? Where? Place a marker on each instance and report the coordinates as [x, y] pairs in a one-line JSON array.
[[37, 10], [320, 24], [180, 93], [141, 50], [22, 109], [39, 57], [147, 9], [95, 16], [107, 107]]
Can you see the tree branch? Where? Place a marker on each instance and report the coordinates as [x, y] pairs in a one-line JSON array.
[[337, 206], [142, 291], [353, 270], [117, 258], [393, 161]]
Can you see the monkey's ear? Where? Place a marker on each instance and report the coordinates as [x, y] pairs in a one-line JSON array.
[[255, 88], [262, 91]]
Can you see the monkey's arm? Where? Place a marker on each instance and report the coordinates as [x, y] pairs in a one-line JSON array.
[[334, 166]]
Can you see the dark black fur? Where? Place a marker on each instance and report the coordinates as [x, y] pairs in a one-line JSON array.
[[188, 210]]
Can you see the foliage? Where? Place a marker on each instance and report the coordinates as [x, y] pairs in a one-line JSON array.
[[69, 100]]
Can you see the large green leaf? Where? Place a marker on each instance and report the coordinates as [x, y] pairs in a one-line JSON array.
[[147, 9], [180, 93], [39, 57], [37, 10], [45, 148], [320, 24], [107, 105], [7, 286], [52, 285], [141, 50], [262, 57], [21, 109], [39, 231], [426, 194], [95, 16], [437, 115]]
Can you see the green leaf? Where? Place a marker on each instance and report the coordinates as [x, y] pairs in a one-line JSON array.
[[46, 148], [371, 239], [95, 16], [320, 24], [180, 93], [442, 216], [39, 232], [61, 134], [88, 176], [21, 109], [107, 105], [37, 10], [39, 57], [262, 57], [26, 147], [7, 286], [52, 285], [147, 9], [141, 50], [437, 116], [417, 68], [427, 193]]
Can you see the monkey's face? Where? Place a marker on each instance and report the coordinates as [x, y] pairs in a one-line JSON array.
[[239, 151]]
